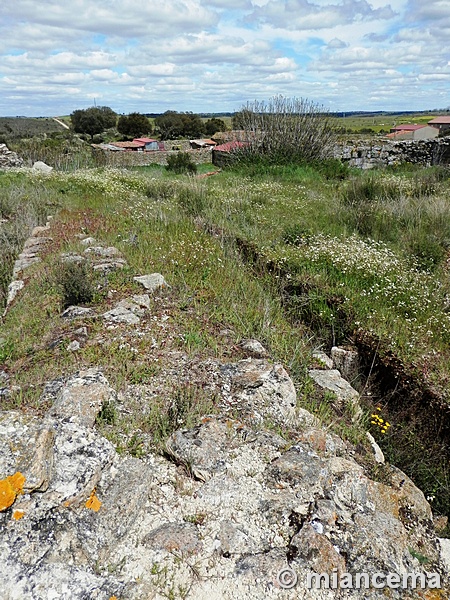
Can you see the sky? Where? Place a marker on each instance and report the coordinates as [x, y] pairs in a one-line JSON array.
[[216, 55]]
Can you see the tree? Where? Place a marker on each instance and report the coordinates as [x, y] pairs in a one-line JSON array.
[[134, 125], [285, 131], [170, 125], [240, 118], [93, 120], [214, 125], [173, 125], [193, 126]]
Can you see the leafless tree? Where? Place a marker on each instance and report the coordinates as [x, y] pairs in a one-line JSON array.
[[285, 130]]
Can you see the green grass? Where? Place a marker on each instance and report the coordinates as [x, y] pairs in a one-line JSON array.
[[381, 123], [298, 257]]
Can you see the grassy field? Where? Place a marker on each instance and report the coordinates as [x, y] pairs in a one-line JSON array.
[[23, 127], [301, 258], [381, 122]]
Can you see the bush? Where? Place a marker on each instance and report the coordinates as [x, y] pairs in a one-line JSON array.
[[285, 131], [333, 168], [181, 163], [75, 285]]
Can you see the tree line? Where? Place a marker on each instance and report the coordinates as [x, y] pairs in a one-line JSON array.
[[168, 126]]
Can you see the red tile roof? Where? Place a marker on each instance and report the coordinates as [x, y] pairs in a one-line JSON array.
[[408, 127], [144, 139], [133, 144], [230, 146]]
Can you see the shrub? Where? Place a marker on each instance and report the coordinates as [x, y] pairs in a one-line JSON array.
[[333, 168], [181, 163], [285, 131], [75, 285]]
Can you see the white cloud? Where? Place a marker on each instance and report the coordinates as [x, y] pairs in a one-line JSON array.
[[216, 54]]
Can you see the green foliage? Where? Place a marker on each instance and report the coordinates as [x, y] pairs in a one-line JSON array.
[[75, 284], [173, 125], [16, 128], [107, 414], [181, 163], [93, 120], [296, 234], [427, 250], [134, 125], [332, 168], [214, 125], [423, 560]]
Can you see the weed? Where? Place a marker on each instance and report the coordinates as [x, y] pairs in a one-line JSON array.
[[181, 163], [75, 284], [296, 235], [107, 414], [423, 560]]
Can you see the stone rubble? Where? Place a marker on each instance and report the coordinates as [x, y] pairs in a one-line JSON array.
[[8, 158], [229, 507], [28, 257]]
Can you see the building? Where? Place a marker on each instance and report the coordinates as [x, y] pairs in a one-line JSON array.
[[149, 144], [130, 146], [223, 154], [442, 124], [202, 143], [413, 132]]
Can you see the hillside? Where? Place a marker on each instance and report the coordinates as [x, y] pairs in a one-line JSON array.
[[21, 127], [169, 395]]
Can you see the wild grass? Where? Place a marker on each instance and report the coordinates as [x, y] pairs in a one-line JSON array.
[[23, 205], [328, 258]]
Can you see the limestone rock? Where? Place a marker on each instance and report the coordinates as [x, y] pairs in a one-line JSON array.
[[107, 266], [332, 381], [445, 552], [346, 361], [26, 445], [220, 515], [254, 348], [42, 167], [75, 312], [13, 289], [109, 252], [377, 452], [152, 282], [323, 359], [8, 158], [260, 390], [82, 397], [121, 314]]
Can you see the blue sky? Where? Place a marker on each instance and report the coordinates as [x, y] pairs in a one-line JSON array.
[[216, 55]]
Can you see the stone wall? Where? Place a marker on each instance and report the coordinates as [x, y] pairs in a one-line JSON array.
[[139, 159], [8, 158], [378, 153]]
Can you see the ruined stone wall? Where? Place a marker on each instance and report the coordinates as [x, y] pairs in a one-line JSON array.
[[8, 158], [139, 159], [378, 153]]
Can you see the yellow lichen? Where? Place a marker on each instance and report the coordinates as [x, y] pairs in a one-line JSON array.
[[93, 503], [18, 514], [10, 488]]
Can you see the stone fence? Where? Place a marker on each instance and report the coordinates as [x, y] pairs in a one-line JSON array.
[[378, 153], [140, 159]]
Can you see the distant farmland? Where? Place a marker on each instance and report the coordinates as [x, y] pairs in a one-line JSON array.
[[23, 127]]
